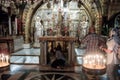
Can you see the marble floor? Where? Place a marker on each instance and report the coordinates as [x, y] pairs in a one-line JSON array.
[[25, 66]]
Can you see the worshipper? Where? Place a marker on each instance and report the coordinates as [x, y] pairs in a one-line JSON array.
[[112, 43], [59, 47], [93, 41], [59, 62]]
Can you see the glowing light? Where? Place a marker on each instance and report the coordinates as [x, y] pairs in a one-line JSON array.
[[94, 61], [4, 60]]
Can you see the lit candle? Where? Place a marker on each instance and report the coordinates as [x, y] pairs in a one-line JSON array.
[[104, 61], [2, 58], [98, 61], [7, 58], [90, 63]]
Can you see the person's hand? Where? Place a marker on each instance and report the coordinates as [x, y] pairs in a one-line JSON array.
[[101, 47], [105, 49]]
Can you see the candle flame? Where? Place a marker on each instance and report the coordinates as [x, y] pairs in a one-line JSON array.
[[94, 61], [4, 60]]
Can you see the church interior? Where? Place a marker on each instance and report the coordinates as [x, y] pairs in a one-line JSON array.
[[32, 30]]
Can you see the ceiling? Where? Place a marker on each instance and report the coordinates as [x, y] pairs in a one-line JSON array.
[[100, 7]]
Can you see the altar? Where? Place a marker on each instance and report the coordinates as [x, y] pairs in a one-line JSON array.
[[66, 42]]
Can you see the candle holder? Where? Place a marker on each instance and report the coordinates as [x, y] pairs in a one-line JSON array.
[[4, 62], [94, 64]]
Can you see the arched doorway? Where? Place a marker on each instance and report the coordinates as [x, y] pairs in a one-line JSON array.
[[60, 18], [73, 18]]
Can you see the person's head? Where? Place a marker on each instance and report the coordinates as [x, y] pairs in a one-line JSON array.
[[112, 32], [115, 34], [58, 43], [92, 29]]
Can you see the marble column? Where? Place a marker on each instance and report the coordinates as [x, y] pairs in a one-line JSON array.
[[43, 53], [69, 52], [9, 21], [16, 27], [71, 55], [73, 52]]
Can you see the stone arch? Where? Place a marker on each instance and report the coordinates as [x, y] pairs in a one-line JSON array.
[[27, 18], [31, 9]]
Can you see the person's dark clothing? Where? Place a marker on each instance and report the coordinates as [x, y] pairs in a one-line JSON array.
[[58, 62]]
